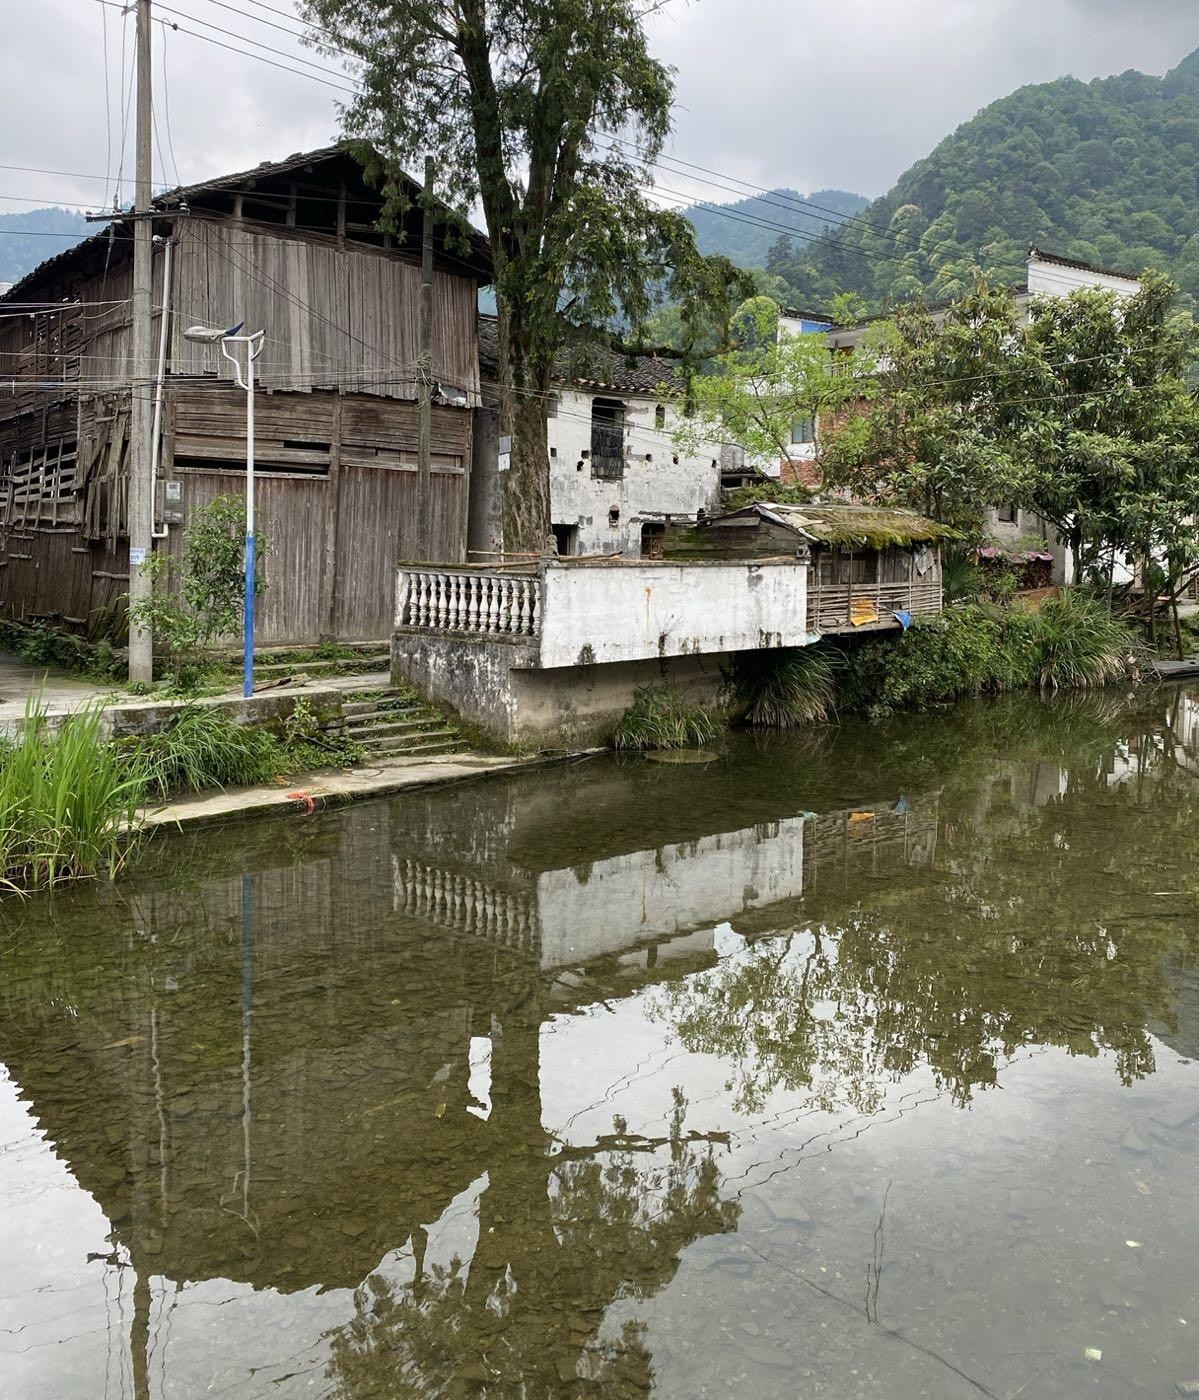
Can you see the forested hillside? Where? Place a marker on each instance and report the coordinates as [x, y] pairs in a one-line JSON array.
[[1106, 171], [28, 239], [737, 230]]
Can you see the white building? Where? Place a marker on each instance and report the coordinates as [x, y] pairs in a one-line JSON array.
[[616, 475]]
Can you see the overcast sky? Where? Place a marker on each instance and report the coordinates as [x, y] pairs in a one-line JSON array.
[[840, 93]]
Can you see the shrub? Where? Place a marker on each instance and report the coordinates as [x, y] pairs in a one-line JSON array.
[[660, 717], [785, 690], [68, 802], [203, 748], [981, 648]]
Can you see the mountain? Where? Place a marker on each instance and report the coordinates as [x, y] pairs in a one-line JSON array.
[[731, 228], [30, 238], [1104, 171]]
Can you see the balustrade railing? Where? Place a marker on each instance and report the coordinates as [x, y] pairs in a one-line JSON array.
[[469, 601]]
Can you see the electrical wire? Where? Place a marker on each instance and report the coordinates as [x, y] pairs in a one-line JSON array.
[[166, 107]]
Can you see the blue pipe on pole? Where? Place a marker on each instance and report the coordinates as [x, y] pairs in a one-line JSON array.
[[248, 687]]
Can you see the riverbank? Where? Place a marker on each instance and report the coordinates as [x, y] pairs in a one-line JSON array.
[[336, 787]]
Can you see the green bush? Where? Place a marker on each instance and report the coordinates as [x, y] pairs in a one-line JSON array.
[[68, 802], [785, 689], [981, 648], [660, 717]]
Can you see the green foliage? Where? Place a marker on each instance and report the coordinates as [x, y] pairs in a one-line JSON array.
[[750, 244], [661, 717], [755, 394], [68, 802], [768, 493], [203, 598], [959, 575], [204, 748], [785, 689], [1102, 171], [985, 648], [42, 645], [517, 98]]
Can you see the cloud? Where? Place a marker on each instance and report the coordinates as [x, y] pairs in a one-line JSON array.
[[776, 92]]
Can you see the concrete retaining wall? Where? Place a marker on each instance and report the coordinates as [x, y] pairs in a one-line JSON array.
[[492, 684]]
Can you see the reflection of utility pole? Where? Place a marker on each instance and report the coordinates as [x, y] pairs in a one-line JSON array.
[[247, 944]]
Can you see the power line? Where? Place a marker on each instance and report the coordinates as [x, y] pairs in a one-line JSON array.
[[244, 38]]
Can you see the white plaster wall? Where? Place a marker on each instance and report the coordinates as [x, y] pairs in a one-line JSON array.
[[674, 889], [659, 479], [1052, 279], [634, 611]]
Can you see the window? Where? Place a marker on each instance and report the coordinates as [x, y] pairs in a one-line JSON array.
[[653, 539], [614, 517], [1008, 515], [551, 405], [566, 538], [803, 430], [841, 567], [660, 416], [607, 439]]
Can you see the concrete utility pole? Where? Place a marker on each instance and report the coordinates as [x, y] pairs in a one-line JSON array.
[[424, 459], [141, 502]]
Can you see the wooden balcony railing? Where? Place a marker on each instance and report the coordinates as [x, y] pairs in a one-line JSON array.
[[834, 607], [473, 602]]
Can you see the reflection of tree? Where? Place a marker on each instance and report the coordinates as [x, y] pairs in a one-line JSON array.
[[1049, 921], [563, 1230]]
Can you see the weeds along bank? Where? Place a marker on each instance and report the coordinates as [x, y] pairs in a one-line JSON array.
[[69, 798], [978, 648]]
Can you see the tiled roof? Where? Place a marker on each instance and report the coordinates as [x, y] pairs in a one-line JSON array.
[[1043, 256], [592, 366]]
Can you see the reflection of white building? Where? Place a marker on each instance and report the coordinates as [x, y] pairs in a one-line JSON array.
[[615, 472]]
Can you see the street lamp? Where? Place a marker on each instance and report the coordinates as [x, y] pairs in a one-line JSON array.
[[209, 335]]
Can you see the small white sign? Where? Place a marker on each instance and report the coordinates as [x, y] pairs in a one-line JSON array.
[[505, 461], [137, 556]]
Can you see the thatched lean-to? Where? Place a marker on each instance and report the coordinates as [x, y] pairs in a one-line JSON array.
[[871, 567]]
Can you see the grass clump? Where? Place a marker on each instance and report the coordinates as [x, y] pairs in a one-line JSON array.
[[787, 689], [1081, 645], [203, 748], [68, 802], [661, 717]]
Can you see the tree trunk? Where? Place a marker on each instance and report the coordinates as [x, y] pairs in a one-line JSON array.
[[526, 483]]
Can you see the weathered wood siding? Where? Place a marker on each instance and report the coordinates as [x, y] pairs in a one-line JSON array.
[[338, 511], [334, 315]]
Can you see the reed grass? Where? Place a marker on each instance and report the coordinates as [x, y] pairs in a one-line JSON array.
[[661, 717], [785, 690], [203, 748], [68, 802]]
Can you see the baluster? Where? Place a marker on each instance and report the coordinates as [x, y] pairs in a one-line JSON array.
[[474, 583], [430, 601], [455, 599], [438, 582], [514, 606], [420, 611], [526, 607], [459, 602], [493, 603], [535, 615]]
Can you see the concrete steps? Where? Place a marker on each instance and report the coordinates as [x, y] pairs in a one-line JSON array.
[[394, 724]]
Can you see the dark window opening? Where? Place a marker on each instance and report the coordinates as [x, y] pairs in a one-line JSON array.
[[841, 567], [299, 446], [1008, 515], [607, 439], [653, 540], [660, 416], [261, 468], [803, 430], [614, 516], [566, 539]]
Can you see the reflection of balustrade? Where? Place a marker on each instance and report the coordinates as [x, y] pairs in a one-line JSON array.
[[465, 904], [469, 600], [832, 607]]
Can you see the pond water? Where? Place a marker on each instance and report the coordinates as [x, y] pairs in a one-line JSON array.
[[855, 1063]]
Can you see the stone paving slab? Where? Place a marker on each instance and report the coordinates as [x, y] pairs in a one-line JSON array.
[[333, 787]]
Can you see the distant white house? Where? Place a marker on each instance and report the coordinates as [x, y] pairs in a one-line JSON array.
[[616, 476]]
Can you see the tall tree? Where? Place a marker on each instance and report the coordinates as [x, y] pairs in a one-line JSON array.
[[520, 99]]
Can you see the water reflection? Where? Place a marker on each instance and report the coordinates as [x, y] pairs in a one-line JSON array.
[[353, 1061]]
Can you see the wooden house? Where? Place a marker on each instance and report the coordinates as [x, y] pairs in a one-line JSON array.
[[870, 568], [291, 249]]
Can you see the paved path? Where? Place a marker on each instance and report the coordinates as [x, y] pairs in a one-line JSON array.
[[332, 787], [60, 690]]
